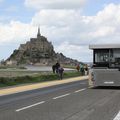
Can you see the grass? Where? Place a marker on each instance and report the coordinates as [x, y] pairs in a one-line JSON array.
[[15, 73], [69, 66], [10, 81], [12, 67]]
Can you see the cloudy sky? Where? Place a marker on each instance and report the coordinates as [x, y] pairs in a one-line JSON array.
[[71, 25]]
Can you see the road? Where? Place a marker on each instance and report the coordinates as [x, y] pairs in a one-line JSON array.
[[43, 68], [71, 101]]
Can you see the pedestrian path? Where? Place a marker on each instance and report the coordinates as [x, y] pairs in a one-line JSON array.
[[17, 89]]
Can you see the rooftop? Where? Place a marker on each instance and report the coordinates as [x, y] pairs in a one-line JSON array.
[[104, 46]]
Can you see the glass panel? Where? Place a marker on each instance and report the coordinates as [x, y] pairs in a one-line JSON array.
[[115, 60], [107, 58], [101, 57]]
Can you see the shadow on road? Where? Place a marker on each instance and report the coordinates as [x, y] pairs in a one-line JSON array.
[[107, 88]]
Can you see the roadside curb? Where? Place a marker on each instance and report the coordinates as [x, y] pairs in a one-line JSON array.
[[17, 89]]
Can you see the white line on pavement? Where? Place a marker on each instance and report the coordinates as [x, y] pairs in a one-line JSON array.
[[117, 116], [61, 96], [80, 90], [18, 110]]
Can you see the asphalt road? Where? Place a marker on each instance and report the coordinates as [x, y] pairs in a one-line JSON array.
[[43, 68], [71, 101]]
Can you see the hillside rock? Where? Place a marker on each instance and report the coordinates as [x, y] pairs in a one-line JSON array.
[[38, 51]]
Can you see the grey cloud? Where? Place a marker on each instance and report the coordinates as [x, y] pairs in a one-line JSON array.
[[55, 4], [68, 30]]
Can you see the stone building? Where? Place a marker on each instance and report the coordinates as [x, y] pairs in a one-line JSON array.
[[38, 51]]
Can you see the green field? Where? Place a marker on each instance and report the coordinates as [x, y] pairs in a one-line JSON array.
[[10, 78]]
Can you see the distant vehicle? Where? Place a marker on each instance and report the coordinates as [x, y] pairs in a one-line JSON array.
[[106, 65]]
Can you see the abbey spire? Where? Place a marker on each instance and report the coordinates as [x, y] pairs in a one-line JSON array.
[[38, 34]]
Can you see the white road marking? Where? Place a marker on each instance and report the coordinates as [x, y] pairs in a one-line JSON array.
[[80, 90], [61, 96], [18, 110], [110, 82], [117, 116]]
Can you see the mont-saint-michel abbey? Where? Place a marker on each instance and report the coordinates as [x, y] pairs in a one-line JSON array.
[[38, 51]]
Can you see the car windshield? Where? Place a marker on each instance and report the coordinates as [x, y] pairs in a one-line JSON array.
[[107, 58]]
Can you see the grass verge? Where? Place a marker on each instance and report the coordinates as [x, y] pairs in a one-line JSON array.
[[10, 81]]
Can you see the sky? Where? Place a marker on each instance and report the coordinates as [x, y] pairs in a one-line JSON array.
[[71, 25]]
